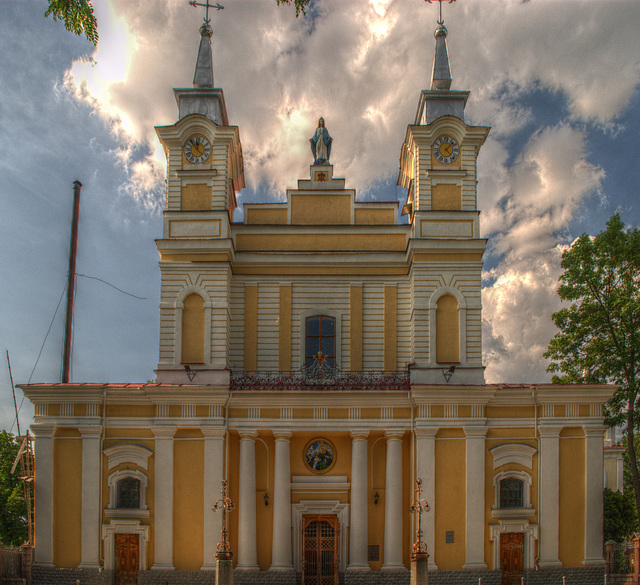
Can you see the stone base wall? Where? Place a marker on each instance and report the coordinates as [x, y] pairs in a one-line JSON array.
[[465, 577], [573, 576], [51, 576]]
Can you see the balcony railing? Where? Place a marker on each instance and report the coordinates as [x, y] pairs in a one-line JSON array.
[[320, 378]]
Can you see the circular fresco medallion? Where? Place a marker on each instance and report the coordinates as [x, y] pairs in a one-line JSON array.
[[319, 455]]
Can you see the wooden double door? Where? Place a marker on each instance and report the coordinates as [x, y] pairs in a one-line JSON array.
[[512, 557], [320, 550], [127, 558]]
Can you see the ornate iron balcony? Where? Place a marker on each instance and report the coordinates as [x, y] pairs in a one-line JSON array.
[[321, 378]]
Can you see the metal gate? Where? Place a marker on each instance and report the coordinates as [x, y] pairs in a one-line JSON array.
[[320, 550]]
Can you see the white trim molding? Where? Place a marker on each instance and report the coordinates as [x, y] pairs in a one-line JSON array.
[[512, 525], [118, 526], [128, 453], [513, 453]]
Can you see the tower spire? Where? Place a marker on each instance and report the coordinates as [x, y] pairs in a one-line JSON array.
[[203, 76], [441, 74]]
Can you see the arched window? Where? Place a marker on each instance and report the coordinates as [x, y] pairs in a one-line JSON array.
[[511, 493], [447, 330], [320, 341], [128, 493], [193, 330]]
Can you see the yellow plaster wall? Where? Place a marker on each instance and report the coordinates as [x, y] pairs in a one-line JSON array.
[[195, 198], [284, 329], [320, 209], [447, 330], [193, 330], [67, 502], [320, 242], [355, 335], [265, 469], [571, 501], [446, 197], [450, 497], [374, 216], [526, 412], [188, 504], [131, 410], [250, 327], [376, 467], [390, 327], [266, 216]]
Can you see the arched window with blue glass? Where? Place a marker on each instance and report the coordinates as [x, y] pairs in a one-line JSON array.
[[320, 344]]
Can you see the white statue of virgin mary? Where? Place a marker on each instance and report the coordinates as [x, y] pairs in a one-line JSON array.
[[321, 144]]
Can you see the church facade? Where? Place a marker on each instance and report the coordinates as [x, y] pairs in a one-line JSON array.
[[321, 357]]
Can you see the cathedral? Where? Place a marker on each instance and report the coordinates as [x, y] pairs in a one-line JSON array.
[[324, 359]]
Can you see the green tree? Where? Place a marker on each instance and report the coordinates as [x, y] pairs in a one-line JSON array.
[[301, 5], [599, 337], [77, 15], [13, 509], [620, 518]]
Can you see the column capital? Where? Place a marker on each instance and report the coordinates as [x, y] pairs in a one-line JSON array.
[[43, 431], [594, 430], [359, 434], [475, 432], [282, 434], [394, 434], [211, 432], [549, 431], [164, 431], [426, 432], [247, 433], [90, 431]]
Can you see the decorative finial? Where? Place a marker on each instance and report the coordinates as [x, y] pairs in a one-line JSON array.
[[204, 67], [440, 20], [418, 506], [441, 75], [205, 29]]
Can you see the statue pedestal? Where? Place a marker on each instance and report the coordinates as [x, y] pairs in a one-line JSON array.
[[224, 571], [419, 573]]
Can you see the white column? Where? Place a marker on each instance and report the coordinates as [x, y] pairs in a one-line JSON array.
[[163, 488], [281, 559], [44, 494], [358, 533], [593, 486], [393, 503], [426, 471], [213, 476], [474, 525], [91, 509], [247, 548], [548, 478]]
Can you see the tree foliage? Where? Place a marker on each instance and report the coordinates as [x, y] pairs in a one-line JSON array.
[[599, 338], [301, 5], [13, 509], [620, 518], [77, 15]]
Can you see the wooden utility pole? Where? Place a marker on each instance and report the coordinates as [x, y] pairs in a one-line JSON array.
[[71, 282]]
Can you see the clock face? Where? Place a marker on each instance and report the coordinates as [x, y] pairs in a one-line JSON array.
[[445, 150], [197, 150]]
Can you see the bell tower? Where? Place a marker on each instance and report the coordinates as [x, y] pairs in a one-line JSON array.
[[438, 168], [204, 172]]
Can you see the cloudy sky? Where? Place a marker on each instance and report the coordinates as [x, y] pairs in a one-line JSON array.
[[556, 81]]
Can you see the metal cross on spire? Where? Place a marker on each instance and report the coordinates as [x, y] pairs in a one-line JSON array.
[[440, 20], [206, 6]]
